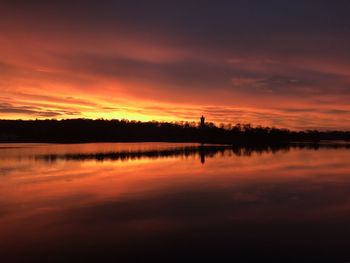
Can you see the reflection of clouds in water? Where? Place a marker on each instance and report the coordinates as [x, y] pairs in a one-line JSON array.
[[242, 195], [300, 200], [13, 167]]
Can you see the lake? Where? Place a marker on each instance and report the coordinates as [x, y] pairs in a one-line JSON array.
[[137, 202]]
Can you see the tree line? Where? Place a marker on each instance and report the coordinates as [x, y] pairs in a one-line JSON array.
[[88, 130]]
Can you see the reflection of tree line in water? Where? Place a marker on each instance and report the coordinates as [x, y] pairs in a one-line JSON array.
[[85, 130], [203, 151]]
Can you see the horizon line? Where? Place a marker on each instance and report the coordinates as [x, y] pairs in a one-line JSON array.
[[226, 126]]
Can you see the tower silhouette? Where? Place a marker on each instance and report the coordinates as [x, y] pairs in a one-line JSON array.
[[202, 122]]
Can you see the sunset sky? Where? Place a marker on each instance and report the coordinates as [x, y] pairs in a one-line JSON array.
[[268, 62]]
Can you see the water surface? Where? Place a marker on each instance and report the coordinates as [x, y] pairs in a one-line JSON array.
[[174, 202]]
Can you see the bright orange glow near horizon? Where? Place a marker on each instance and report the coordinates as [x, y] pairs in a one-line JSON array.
[[167, 63]]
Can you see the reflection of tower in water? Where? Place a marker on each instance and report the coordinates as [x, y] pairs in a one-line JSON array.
[[202, 155]]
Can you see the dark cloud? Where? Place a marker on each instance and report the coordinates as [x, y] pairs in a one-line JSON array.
[[248, 26], [182, 73], [33, 111], [202, 75], [297, 110]]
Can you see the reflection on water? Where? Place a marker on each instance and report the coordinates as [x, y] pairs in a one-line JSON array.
[[174, 202]]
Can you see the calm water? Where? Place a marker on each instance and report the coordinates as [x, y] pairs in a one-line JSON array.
[[173, 202]]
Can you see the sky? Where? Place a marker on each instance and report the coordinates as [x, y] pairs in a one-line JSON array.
[[275, 63]]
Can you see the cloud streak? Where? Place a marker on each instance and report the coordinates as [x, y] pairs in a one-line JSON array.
[[7, 108]]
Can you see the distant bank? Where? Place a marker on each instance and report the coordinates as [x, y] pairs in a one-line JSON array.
[[86, 130]]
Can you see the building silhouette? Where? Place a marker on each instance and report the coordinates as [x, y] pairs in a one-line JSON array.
[[202, 125]]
